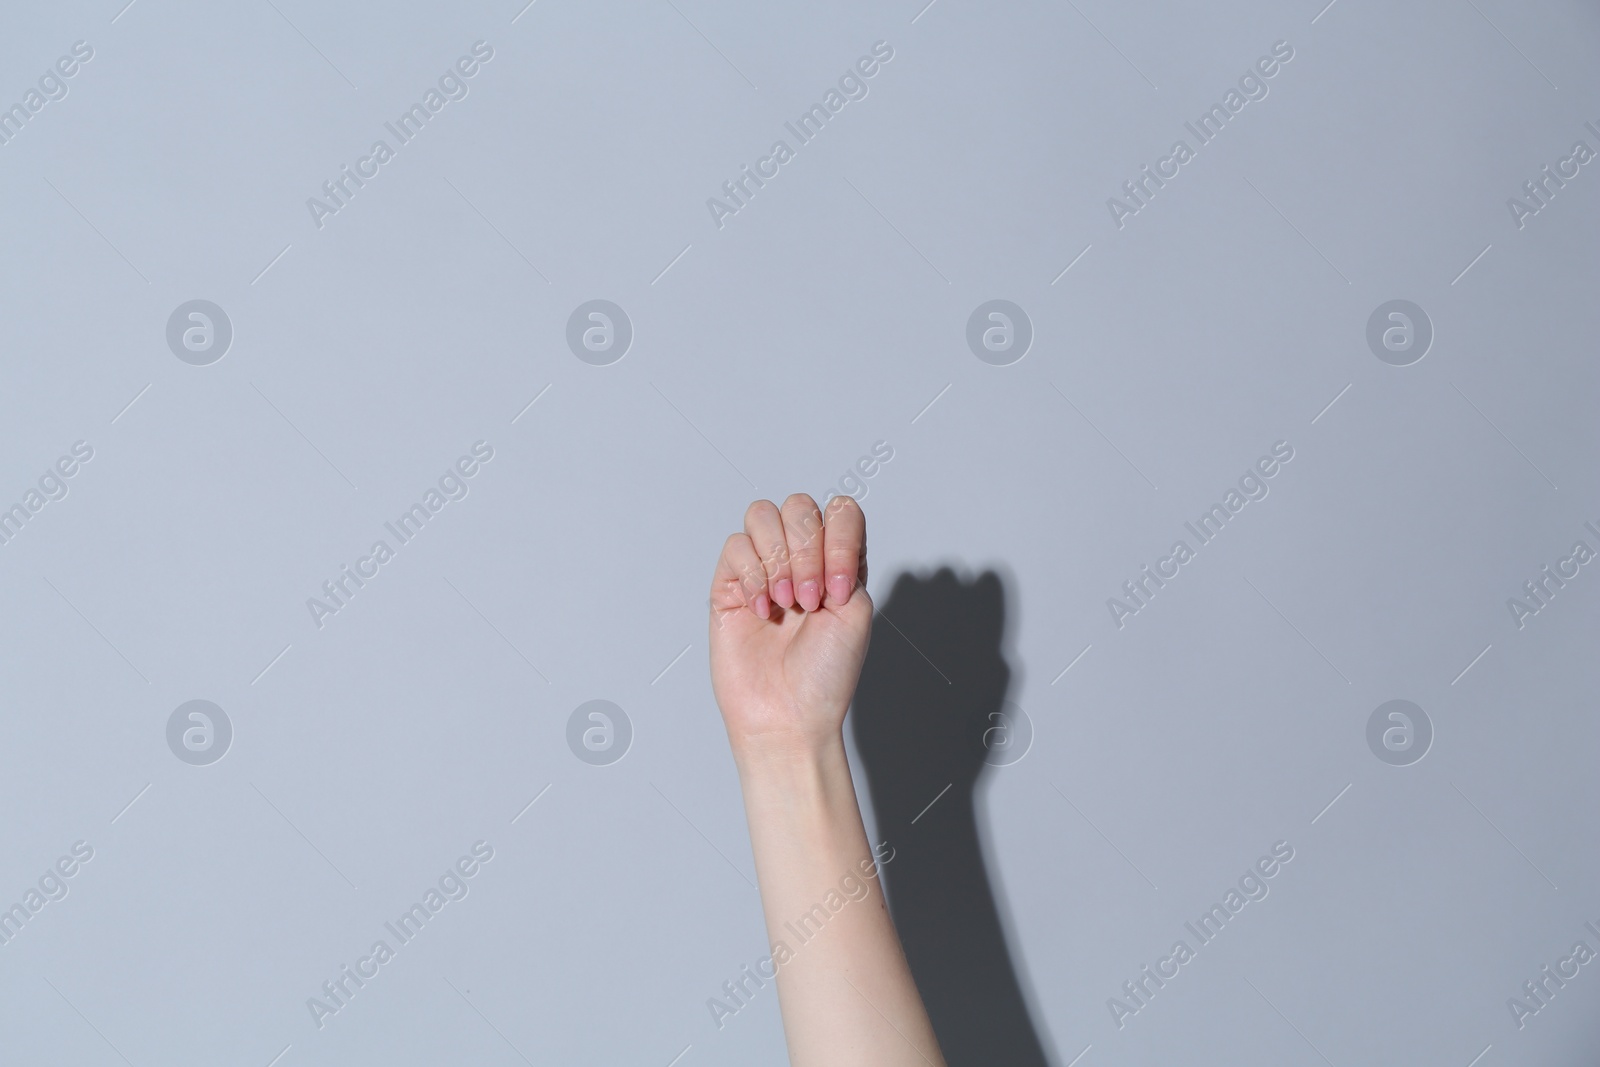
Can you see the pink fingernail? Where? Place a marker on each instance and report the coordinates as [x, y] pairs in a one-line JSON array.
[[763, 608], [839, 589], [810, 595], [783, 593]]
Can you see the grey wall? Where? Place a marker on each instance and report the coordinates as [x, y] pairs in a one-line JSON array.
[[372, 346]]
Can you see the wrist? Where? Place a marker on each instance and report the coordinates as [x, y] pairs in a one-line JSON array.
[[800, 792], [788, 752]]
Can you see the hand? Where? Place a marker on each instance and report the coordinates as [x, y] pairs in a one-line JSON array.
[[790, 620]]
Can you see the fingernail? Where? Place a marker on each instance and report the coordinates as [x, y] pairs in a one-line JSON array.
[[783, 593], [810, 595], [839, 589], [763, 608]]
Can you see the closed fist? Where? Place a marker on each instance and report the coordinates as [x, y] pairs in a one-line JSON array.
[[790, 620]]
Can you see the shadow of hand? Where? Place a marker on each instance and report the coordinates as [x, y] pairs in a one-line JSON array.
[[934, 680]]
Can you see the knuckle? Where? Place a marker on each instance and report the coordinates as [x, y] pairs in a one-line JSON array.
[[800, 512], [843, 504], [803, 533], [759, 509], [806, 559]]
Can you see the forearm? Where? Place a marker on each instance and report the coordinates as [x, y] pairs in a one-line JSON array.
[[845, 990]]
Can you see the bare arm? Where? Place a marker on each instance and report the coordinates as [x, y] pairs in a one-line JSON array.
[[790, 620]]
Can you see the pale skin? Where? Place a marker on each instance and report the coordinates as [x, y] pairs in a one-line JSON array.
[[790, 620]]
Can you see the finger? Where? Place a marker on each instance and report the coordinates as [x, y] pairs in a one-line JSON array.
[[802, 529], [765, 527], [740, 580], [844, 552]]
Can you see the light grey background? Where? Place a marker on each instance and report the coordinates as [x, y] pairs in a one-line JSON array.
[[768, 355]]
